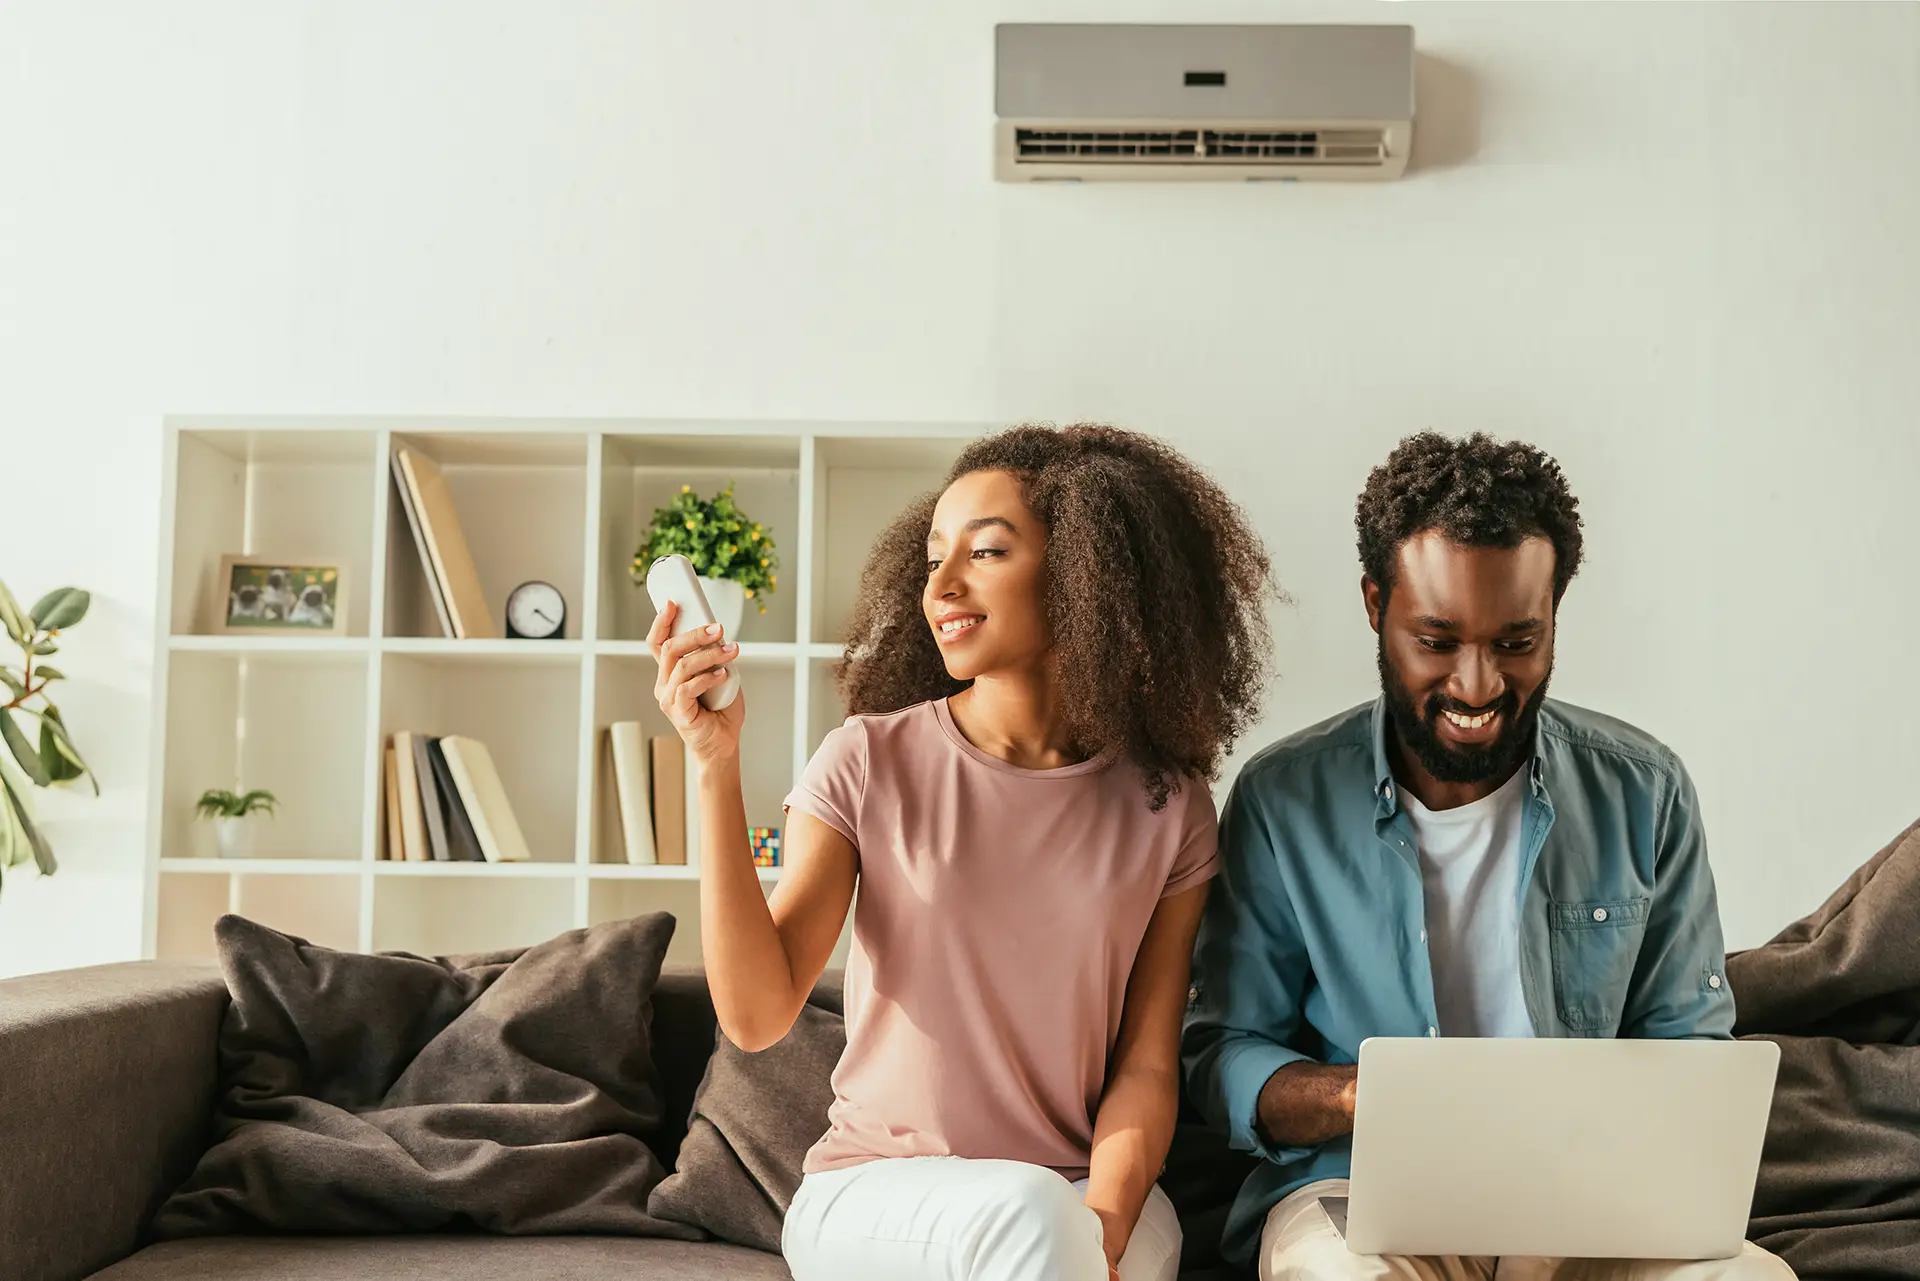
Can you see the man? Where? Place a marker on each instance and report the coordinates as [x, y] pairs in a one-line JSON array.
[[1461, 857]]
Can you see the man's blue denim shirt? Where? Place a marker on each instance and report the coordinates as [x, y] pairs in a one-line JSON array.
[[1314, 935]]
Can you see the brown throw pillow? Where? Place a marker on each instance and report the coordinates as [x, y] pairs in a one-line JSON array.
[[508, 1091], [754, 1118]]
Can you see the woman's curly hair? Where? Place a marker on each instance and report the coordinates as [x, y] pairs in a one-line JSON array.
[[1156, 605]]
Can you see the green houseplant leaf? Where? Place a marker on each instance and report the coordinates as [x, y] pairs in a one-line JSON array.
[[61, 607], [216, 802], [721, 540], [15, 846], [58, 754], [23, 751], [54, 759], [20, 837], [259, 799], [42, 852], [11, 617]]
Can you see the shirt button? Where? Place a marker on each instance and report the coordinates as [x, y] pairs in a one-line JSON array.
[[1713, 981], [1423, 936], [1599, 913], [1193, 993], [1388, 791], [1433, 1031]]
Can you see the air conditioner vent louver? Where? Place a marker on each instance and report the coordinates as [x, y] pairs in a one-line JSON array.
[[1173, 102], [1201, 146]]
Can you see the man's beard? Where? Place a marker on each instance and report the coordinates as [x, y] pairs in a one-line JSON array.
[[1452, 762]]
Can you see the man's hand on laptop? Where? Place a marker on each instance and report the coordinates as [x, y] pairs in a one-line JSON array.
[[1304, 1104]]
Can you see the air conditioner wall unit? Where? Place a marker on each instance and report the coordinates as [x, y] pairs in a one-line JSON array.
[[1099, 102]]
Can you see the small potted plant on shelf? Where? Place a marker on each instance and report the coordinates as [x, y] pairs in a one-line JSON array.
[[228, 812], [47, 758], [733, 555]]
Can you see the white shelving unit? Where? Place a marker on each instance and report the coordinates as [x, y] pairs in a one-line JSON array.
[[563, 501]]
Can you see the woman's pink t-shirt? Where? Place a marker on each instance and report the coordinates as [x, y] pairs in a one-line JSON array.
[[998, 915]]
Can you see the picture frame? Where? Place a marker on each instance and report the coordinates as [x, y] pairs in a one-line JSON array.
[[281, 596]]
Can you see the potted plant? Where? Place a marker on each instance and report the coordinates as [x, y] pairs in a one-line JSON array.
[[733, 555], [228, 811], [46, 757]]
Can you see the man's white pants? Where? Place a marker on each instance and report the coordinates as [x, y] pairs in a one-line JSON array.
[[945, 1218], [1300, 1242]]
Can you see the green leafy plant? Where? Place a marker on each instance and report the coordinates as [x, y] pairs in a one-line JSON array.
[[217, 802], [46, 756], [720, 540]]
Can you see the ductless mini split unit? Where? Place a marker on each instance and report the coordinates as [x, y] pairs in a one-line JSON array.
[[1095, 102]]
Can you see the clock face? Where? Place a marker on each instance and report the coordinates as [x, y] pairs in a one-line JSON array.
[[536, 611]]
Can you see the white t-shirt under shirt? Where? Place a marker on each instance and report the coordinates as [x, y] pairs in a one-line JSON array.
[[1470, 869]]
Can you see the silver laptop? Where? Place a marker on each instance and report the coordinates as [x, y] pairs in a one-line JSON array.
[[1566, 1148]]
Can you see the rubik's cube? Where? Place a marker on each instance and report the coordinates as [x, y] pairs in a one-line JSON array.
[[765, 842]]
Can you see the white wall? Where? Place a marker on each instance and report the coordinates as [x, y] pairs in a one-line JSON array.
[[1675, 245]]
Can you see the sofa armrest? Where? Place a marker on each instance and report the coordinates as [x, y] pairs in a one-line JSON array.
[[106, 1096]]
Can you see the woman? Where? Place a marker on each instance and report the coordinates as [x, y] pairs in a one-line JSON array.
[[1048, 660]]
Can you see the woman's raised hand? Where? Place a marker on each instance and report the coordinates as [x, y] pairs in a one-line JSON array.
[[689, 666]]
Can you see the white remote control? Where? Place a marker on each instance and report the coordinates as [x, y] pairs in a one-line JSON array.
[[671, 578]]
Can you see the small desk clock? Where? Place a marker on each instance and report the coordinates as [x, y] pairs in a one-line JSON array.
[[536, 611]]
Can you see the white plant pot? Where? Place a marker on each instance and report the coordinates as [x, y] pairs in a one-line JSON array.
[[729, 601], [232, 837]]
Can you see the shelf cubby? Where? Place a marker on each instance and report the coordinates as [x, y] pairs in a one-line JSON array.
[[522, 501], [305, 497], [619, 900], [640, 474], [322, 909], [445, 916], [860, 484], [623, 690], [292, 723], [525, 707]]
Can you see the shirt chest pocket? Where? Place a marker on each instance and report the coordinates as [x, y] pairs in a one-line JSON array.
[[1595, 946]]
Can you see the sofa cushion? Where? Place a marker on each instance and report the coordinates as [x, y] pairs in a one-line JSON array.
[[683, 1032], [443, 1258], [509, 1091], [754, 1118]]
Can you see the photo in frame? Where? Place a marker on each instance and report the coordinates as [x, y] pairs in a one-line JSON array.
[[268, 594]]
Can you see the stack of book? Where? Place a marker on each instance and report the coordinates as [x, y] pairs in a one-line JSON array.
[[445, 803], [658, 789], [452, 580]]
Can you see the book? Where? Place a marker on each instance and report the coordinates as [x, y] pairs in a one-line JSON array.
[[430, 803], [669, 799], [392, 806], [420, 546], [413, 819], [485, 800], [463, 845], [447, 547], [626, 747]]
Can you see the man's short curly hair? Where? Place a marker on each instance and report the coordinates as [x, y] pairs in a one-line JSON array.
[[1157, 589], [1477, 492]]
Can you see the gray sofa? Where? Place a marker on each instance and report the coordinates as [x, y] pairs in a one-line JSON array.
[[107, 1080], [106, 1099]]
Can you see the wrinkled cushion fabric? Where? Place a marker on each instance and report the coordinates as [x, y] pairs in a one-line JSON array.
[[1839, 991], [754, 1118], [509, 1092]]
